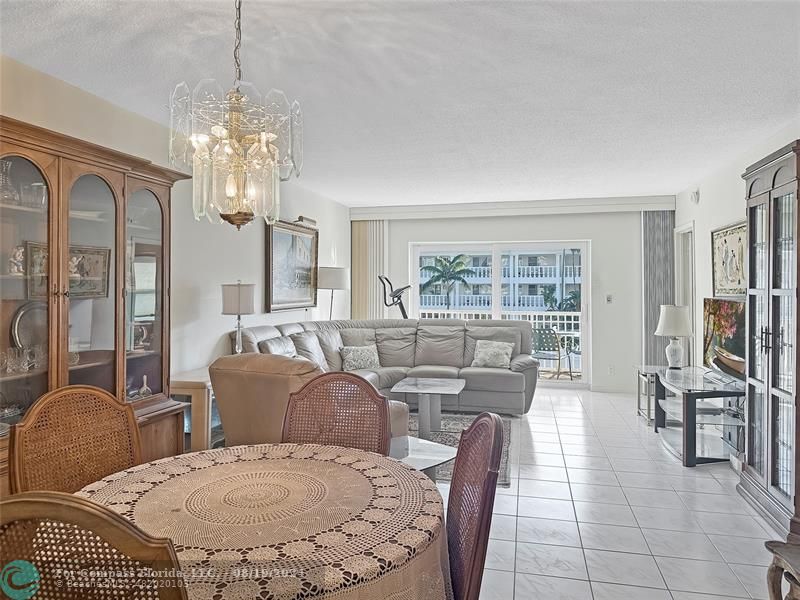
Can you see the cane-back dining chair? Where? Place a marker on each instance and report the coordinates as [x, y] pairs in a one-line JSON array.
[[72, 437], [469, 508], [64, 547], [338, 409]]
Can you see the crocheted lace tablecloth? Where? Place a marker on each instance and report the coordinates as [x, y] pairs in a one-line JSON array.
[[288, 521]]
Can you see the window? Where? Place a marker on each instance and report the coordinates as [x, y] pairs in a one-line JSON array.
[[538, 282]]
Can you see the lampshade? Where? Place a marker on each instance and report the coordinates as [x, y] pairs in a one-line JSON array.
[[238, 298], [674, 321], [333, 278]]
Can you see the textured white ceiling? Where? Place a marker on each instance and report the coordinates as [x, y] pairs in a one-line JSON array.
[[410, 102]]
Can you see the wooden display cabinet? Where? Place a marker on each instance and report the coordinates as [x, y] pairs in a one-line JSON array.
[[770, 476], [84, 280]]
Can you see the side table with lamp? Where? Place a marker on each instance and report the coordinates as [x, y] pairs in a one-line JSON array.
[[238, 299]]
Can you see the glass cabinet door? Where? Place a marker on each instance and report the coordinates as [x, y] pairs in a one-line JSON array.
[[24, 287], [143, 296], [783, 315], [757, 327], [90, 260]]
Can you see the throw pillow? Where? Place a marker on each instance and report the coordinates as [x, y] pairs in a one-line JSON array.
[[493, 354], [360, 357], [307, 345], [282, 346]]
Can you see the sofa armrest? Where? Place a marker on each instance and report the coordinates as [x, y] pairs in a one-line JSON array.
[[529, 367], [398, 416], [523, 362]]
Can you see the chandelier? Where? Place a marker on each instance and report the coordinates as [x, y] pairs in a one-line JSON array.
[[238, 144]]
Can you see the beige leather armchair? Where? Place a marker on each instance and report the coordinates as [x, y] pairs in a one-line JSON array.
[[252, 392]]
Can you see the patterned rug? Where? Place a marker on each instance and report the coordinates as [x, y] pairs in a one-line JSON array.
[[452, 426]]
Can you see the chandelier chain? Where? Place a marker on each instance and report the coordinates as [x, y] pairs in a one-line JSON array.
[[238, 42]]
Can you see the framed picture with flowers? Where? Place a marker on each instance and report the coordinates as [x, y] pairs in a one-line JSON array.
[[724, 336]]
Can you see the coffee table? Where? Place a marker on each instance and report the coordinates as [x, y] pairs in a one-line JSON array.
[[429, 391]]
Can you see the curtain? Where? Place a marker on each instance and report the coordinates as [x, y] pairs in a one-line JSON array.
[[369, 259], [658, 279]]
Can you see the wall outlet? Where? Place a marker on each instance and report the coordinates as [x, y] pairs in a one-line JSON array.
[[609, 298], [611, 370]]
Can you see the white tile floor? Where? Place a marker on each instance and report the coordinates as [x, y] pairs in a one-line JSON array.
[[598, 510]]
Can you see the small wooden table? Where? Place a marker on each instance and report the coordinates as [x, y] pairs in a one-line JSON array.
[[197, 385], [429, 390]]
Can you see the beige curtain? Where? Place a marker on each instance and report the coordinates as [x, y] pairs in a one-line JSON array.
[[368, 260]]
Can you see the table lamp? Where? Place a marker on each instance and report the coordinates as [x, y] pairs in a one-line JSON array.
[[674, 323], [333, 278], [238, 299]]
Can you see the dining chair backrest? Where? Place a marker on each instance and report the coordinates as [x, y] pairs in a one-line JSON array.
[[469, 508], [63, 545], [338, 409], [546, 339], [71, 437]]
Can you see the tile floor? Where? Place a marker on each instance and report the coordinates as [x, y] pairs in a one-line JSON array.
[[598, 510]]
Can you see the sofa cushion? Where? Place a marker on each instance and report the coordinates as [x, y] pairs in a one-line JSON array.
[[434, 371], [290, 328], [492, 354], [510, 335], [356, 358], [357, 337], [440, 345], [308, 347], [331, 343], [396, 346], [282, 346], [370, 376], [492, 380], [389, 376]]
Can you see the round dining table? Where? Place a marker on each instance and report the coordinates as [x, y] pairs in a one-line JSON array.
[[290, 521]]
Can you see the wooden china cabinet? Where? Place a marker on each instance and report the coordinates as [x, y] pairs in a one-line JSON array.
[[770, 478], [84, 280]]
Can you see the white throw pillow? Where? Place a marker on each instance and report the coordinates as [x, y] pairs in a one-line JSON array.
[[491, 354], [360, 357]]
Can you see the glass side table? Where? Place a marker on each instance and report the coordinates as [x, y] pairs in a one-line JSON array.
[[646, 390]]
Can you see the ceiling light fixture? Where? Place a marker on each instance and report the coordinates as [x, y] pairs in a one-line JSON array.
[[238, 145]]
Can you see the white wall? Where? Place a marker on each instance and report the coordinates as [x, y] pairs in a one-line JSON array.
[[615, 246], [203, 255], [722, 202]]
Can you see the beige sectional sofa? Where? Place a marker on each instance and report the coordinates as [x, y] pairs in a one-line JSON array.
[[415, 348]]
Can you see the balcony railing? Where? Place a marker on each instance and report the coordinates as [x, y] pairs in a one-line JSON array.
[[482, 301], [544, 273]]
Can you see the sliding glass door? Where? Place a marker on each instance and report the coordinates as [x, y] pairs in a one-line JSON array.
[[543, 282]]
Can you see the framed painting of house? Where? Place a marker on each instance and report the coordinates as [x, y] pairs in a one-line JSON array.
[[291, 266], [728, 261]]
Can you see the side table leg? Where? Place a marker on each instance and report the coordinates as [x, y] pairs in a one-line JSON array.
[[660, 415], [201, 419], [689, 430], [424, 416]]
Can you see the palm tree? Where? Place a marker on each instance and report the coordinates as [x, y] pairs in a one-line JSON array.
[[447, 271]]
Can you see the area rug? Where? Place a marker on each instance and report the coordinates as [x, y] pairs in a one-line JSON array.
[[452, 426]]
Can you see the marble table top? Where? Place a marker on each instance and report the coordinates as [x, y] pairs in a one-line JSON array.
[[429, 385], [420, 454]]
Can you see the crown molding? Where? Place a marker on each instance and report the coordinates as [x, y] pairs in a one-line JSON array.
[[513, 209]]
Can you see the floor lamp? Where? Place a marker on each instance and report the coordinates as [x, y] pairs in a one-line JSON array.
[[238, 299], [333, 278]]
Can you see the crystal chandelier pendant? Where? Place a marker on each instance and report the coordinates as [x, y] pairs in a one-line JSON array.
[[238, 144]]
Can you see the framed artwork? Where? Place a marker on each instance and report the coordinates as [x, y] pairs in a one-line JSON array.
[[87, 268], [728, 260], [724, 336], [291, 266]]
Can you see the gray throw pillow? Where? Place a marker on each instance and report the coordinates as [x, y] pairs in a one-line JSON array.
[[307, 345], [283, 346], [491, 354], [360, 357]]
